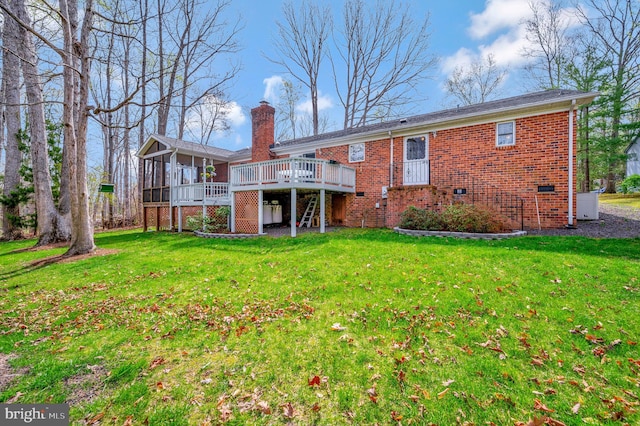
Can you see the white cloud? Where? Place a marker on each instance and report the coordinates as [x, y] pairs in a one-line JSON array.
[[462, 58], [498, 15], [324, 102], [200, 119], [502, 24], [235, 115], [272, 87]]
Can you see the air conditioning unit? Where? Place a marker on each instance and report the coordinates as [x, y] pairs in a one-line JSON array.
[[587, 206]]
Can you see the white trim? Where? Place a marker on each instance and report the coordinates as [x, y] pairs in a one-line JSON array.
[[513, 134], [158, 153]]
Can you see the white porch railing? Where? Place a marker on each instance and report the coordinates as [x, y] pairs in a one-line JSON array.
[[293, 172], [208, 193]]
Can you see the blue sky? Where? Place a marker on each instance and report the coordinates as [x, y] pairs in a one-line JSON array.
[[461, 30]]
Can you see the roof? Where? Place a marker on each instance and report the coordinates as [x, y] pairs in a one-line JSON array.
[[527, 104], [193, 148], [542, 102], [633, 142]]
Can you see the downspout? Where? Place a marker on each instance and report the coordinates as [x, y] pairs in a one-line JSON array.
[[391, 161], [172, 181], [570, 213]]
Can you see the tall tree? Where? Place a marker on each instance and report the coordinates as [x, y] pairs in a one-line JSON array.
[[585, 73], [51, 225], [550, 48], [11, 114], [385, 54], [76, 50], [477, 83], [301, 45], [615, 26], [201, 39], [286, 116]]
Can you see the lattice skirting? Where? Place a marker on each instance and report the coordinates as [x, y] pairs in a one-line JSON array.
[[246, 217], [156, 217]]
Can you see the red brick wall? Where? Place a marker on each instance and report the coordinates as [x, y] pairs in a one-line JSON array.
[[262, 131], [539, 157]]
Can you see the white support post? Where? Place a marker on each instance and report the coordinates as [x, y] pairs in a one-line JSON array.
[[260, 212], [179, 218], [322, 207], [232, 199], [294, 198]]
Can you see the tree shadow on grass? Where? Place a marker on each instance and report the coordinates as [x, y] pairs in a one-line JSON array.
[[49, 260]]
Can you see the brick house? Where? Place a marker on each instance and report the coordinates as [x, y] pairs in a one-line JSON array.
[[515, 156]]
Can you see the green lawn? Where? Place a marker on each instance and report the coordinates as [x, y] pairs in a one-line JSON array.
[[626, 200], [353, 327]]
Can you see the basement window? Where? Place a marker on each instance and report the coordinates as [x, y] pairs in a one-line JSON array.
[[506, 133]]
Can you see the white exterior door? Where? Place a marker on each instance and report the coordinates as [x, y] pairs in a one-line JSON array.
[[416, 160]]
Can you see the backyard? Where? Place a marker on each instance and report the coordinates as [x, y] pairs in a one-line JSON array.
[[350, 327]]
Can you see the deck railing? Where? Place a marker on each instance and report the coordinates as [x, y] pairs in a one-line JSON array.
[[205, 192], [292, 172]]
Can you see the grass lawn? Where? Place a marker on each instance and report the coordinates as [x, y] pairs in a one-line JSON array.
[[353, 327], [627, 200]]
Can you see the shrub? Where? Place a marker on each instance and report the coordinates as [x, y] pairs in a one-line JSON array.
[[216, 223], [421, 219], [630, 184], [455, 218], [470, 218]]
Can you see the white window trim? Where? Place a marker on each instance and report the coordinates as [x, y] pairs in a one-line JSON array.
[[364, 152], [513, 139]]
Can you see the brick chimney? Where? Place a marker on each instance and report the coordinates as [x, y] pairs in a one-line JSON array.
[[262, 131]]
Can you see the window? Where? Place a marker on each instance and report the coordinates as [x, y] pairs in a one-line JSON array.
[[356, 153], [632, 156], [416, 148], [506, 134]]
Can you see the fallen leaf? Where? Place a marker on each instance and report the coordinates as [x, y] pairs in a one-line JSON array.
[[159, 386], [337, 327], [447, 382], [314, 381], [575, 408], [128, 421], [396, 416], [157, 361], [95, 419], [14, 398], [316, 407], [536, 421], [554, 422], [288, 411], [443, 393], [263, 407], [537, 405]]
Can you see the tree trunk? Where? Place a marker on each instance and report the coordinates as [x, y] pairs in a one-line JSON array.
[[11, 75], [51, 227], [75, 132]]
